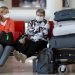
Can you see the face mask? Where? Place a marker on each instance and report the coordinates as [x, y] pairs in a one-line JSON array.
[[39, 18], [6, 15]]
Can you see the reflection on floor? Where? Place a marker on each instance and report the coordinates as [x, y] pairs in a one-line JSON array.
[[13, 67]]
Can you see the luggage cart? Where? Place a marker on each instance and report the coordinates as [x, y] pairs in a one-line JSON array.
[[63, 48]]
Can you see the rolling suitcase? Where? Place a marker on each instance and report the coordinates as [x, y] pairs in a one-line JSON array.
[[44, 63]]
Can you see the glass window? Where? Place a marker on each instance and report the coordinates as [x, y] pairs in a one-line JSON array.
[[29, 3]]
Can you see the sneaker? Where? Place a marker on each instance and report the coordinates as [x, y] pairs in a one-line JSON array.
[[17, 55], [23, 57]]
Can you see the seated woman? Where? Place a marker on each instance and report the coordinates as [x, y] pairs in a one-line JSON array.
[[6, 26], [37, 32]]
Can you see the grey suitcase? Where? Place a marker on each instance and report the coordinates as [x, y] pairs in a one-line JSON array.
[[64, 41]]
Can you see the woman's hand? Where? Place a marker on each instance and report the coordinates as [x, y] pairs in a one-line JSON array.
[[22, 40]]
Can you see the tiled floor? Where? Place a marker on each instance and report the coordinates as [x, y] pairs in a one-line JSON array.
[[13, 67]]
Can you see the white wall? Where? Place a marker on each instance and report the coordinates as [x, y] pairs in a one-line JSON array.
[[52, 6], [72, 3], [28, 14], [8, 3]]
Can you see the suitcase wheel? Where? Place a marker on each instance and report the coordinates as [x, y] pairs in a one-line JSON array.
[[62, 69]]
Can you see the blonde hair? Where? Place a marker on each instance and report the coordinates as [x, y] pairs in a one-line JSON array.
[[0, 9], [3, 8], [0, 13]]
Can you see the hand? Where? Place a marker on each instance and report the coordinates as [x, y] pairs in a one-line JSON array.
[[34, 38], [22, 40], [36, 28]]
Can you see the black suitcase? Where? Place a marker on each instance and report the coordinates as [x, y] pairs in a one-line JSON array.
[[66, 14]]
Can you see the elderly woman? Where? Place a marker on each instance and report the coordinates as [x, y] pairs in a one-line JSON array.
[[37, 31]]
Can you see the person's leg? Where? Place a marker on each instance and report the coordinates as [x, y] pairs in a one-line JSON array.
[[41, 45], [1, 50], [25, 50], [6, 53], [31, 49], [20, 50], [22, 47], [34, 46], [28, 49]]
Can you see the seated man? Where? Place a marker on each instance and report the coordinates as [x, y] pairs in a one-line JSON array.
[[37, 32]]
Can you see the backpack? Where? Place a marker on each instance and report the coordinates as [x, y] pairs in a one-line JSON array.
[[6, 38], [44, 63]]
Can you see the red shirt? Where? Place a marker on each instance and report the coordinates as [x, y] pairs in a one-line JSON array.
[[8, 27]]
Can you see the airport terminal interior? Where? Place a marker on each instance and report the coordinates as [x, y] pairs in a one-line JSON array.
[[57, 57]]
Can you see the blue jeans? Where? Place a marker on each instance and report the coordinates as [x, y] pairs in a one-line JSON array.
[[4, 53]]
